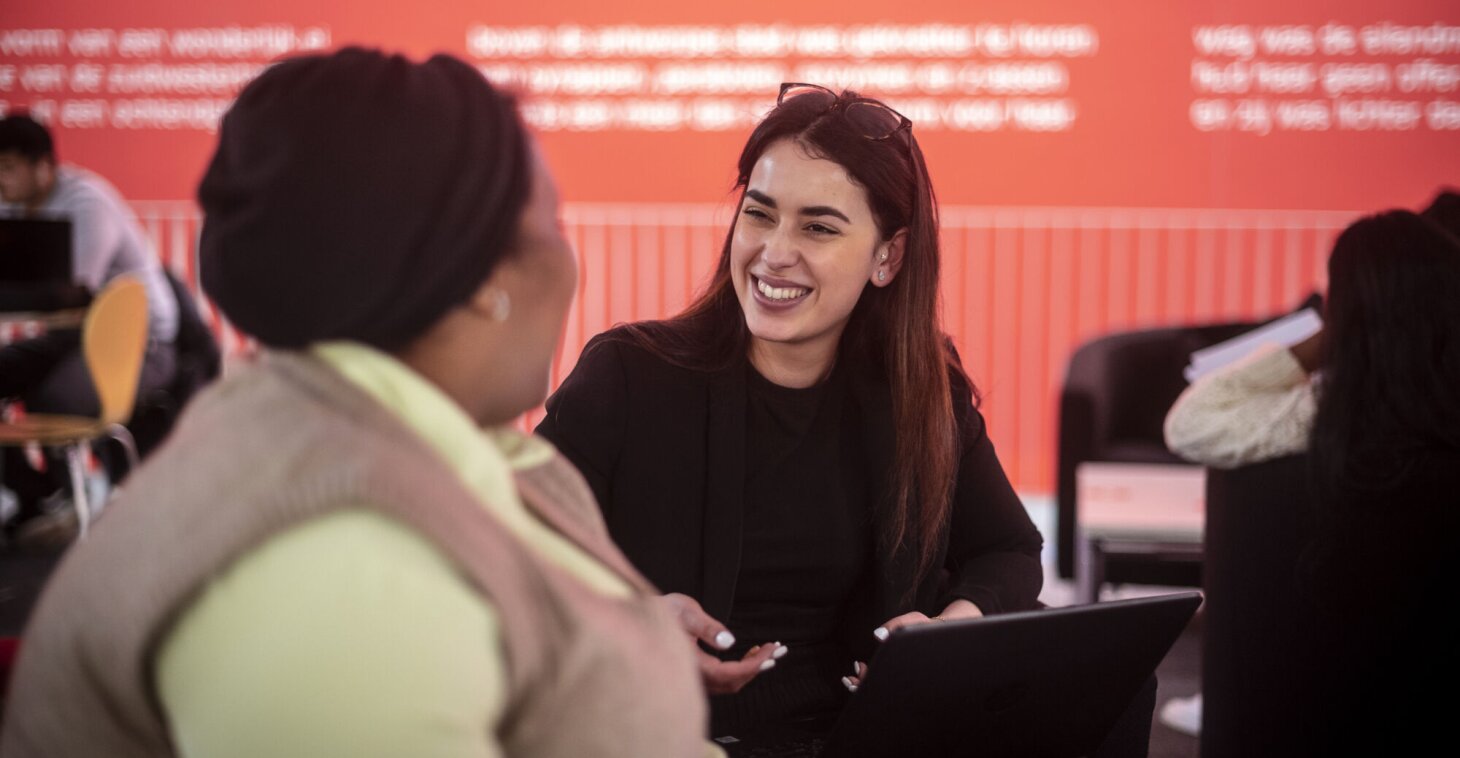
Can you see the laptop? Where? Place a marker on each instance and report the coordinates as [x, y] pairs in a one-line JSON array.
[[36, 267], [1048, 683]]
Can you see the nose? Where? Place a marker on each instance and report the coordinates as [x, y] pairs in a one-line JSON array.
[[780, 250]]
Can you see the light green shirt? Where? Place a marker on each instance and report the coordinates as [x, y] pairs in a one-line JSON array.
[[352, 635]]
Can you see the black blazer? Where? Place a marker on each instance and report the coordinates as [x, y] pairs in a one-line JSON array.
[[663, 448]]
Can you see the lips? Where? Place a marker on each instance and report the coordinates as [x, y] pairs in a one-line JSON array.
[[785, 294]]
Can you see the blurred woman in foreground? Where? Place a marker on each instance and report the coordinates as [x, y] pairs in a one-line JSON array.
[[342, 550]]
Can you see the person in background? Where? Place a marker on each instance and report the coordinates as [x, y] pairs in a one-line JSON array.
[[798, 456], [343, 548], [48, 372], [1385, 459], [1372, 399]]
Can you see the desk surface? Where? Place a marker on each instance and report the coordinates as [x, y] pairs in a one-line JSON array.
[[19, 325], [53, 319]]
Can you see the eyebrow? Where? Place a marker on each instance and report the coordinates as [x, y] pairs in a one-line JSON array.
[[813, 210]]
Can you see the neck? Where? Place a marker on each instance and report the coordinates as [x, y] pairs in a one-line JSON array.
[[793, 365], [438, 356]]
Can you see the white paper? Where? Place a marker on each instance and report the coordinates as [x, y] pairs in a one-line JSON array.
[[1286, 331]]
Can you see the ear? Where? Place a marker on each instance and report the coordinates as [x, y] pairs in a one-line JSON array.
[[492, 300], [888, 259]]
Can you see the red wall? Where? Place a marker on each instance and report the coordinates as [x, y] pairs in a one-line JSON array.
[[1160, 165]]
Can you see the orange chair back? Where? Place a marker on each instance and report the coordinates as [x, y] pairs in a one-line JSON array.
[[114, 341]]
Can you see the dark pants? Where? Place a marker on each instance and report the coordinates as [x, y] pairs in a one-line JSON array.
[[49, 374]]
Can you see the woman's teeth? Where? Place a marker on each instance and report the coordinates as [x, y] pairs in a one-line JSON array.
[[780, 293]]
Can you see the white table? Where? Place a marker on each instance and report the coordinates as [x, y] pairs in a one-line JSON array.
[[1156, 510]]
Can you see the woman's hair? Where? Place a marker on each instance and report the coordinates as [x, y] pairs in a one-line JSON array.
[[1390, 381], [895, 328]]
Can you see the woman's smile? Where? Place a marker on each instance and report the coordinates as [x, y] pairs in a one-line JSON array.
[[776, 293]]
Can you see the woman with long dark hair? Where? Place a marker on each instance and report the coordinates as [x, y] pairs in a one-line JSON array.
[[1385, 456], [1374, 401], [1390, 396], [799, 453]]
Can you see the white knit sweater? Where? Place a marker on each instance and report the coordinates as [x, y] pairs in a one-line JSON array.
[[1256, 409]]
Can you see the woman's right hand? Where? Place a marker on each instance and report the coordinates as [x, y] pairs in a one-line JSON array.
[[720, 677]]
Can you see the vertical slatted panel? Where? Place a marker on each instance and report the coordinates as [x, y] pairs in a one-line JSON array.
[[1003, 320], [1022, 287], [1034, 412]]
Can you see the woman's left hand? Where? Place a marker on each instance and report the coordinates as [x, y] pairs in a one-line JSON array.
[[958, 609]]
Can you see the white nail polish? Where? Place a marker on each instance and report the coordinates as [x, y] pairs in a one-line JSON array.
[[724, 640], [853, 688], [780, 651], [847, 682], [767, 665], [880, 633]]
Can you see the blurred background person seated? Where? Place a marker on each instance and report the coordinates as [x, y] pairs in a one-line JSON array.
[[48, 372]]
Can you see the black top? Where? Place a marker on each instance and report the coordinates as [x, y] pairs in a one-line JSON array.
[[664, 449], [807, 540], [806, 549]]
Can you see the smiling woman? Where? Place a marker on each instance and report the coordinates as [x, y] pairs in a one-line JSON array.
[[799, 454], [804, 248]]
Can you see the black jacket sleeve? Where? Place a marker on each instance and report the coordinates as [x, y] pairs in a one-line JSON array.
[[993, 547], [586, 418]]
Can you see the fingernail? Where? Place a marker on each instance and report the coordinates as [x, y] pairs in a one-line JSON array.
[[724, 640], [780, 651], [847, 682], [854, 669], [880, 633], [767, 665]]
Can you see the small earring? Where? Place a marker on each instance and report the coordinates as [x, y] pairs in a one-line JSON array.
[[882, 276], [501, 305], [884, 256]]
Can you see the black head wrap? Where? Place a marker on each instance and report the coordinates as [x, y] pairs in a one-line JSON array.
[[359, 196]]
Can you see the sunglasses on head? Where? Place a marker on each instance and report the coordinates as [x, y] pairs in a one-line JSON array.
[[872, 118]]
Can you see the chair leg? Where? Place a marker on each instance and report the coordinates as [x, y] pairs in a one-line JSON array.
[[76, 462], [129, 444]]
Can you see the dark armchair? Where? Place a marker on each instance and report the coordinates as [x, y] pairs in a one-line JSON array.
[[1115, 397]]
